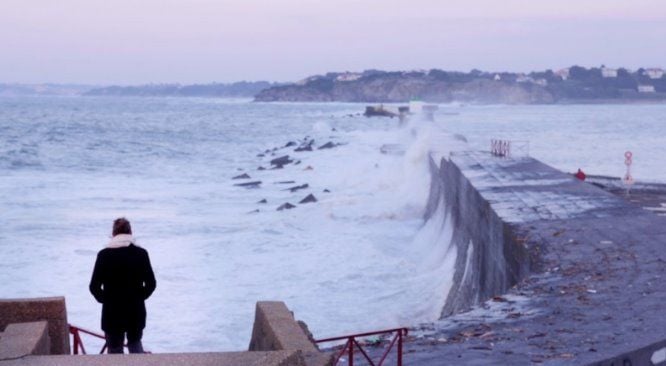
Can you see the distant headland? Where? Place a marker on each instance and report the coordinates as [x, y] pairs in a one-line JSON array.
[[574, 84], [241, 89]]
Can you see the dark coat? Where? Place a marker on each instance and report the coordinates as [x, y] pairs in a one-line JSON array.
[[121, 281]]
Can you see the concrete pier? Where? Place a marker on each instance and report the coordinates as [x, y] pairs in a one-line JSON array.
[[555, 270]]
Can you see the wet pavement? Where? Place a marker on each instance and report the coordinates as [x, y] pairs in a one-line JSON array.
[[650, 196]]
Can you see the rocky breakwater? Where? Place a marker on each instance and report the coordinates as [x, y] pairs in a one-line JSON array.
[[296, 152]]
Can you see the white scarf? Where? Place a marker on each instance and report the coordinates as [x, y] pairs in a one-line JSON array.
[[121, 241]]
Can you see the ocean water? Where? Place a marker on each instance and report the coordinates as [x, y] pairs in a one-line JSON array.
[[593, 138], [359, 259]]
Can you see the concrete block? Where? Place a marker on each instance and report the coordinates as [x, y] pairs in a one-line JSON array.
[[276, 329], [22, 339], [50, 309]]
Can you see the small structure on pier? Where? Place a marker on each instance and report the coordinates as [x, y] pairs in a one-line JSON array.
[[378, 111]]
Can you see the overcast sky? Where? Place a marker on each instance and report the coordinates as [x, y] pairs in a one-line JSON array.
[[201, 41]]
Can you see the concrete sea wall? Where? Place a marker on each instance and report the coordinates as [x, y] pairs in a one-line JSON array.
[[490, 257], [563, 272]]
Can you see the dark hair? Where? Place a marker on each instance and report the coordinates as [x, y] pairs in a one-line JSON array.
[[121, 226]]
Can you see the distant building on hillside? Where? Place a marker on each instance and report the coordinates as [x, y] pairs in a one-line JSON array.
[[646, 89], [542, 82], [654, 73], [563, 73], [522, 78], [608, 73], [348, 76]]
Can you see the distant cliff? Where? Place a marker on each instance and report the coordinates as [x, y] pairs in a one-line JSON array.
[[575, 84], [242, 89]]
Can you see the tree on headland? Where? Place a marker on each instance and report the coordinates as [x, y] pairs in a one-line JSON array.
[[583, 74], [438, 74]]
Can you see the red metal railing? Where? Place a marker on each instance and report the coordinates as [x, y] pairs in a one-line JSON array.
[[348, 349], [77, 344], [352, 344]]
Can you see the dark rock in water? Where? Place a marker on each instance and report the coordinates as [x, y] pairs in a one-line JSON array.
[[254, 184], [459, 137], [308, 168], [277, 167], [263, 201], [378, 111], [327, 191], [260, 155], [266, 151], [296, 188], [333, 129], [290, 143], [285, 206], [282, 160], [328, 145], [285, 182], [242, 176], [392, 149], [253, 211], [239, 169], [304, 148], [309, 198], [261, 168], [297, 162]]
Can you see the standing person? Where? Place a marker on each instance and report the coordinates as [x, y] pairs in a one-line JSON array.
[[580, 174], [121, 281]]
